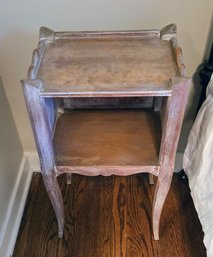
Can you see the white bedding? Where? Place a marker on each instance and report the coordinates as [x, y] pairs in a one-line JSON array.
[[198, 165]]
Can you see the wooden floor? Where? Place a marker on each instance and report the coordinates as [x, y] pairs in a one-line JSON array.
[[109, 217]]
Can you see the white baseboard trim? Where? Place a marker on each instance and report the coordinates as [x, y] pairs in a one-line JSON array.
[[178, 162], [33, 160], [16, 208]]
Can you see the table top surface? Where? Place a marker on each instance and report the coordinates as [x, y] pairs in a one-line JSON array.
[[104, 65]]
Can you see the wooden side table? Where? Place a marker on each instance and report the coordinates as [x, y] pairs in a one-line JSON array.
[[123, 96]]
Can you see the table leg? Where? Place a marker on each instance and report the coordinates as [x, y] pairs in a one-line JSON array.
[[151, 179], [54, 192], [69, 178], [173, 111], [42, 113], [161, 191]]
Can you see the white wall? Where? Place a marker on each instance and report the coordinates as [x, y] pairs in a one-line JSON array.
[[20, 22], [11, 154]]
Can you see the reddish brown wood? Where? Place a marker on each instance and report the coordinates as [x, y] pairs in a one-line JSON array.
[[109, 217], [93, 138]]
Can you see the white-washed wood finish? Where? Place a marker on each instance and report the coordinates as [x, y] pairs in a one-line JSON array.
[[106, 65], [173, 117], [42, 126], [80, 63]]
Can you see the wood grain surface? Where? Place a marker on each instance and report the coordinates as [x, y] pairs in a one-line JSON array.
[[104, 66], [109, 217], [107, 63], [107, 138]]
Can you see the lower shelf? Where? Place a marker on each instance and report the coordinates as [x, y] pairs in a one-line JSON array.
[[113, 139]]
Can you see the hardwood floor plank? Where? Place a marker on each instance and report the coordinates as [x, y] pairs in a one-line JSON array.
[[109, 217], [83, 216], [175, 225], [139, 240], [106, 237], [39, 245], [43, 240], [120, 215]]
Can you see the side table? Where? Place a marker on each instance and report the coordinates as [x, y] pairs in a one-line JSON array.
[[103, 103]]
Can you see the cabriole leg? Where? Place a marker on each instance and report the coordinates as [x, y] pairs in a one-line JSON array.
[[161, 191], [42, 113], [54, 192], [173, 112]]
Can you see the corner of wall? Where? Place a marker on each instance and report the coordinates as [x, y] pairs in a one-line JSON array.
[[9, 233]]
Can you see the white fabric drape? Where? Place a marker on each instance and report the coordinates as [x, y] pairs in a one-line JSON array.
[[198, 165]]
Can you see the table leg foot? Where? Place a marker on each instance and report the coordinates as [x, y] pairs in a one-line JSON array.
[[60, 234]]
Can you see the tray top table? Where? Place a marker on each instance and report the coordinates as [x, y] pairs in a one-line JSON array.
[[106, 66]]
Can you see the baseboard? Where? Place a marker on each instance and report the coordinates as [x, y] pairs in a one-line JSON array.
[[33, 160], [15, 210], [178, 162]]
